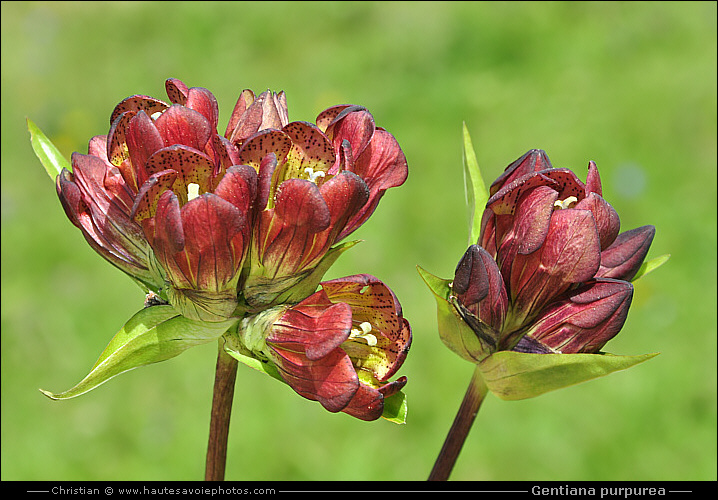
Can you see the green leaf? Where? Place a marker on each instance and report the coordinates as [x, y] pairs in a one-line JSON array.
[[395, 408], [651, 265], [519, 375], [453, 330], [49, 155], [475, 188], [152, 335]]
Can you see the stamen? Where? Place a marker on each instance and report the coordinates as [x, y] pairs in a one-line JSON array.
[[156, 115], [313, 176], [192, 191], [567, 203], [364, 333]]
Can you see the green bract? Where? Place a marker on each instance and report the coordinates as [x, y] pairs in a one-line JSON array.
[[154, 334], [46, 151], [476, 193]]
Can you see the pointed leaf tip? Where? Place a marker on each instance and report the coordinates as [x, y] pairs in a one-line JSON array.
[[45, 150], [152, 335], [651, 265], [519, 375], [475, 187]]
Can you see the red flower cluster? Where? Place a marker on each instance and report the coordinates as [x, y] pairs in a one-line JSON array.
[[223, 226], [179, 207], [550, 272]]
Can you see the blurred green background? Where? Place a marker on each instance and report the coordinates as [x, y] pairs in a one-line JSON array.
[[629, 85]]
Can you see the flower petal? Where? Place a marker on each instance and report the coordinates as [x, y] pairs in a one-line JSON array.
[[300, 204], [570, 254], [345, 194], [479, 287], [239, 187], [589, 317], [117, 151], [181, 125], [176, 90], [145, 204], [191, 165], [169, 236], [215, 241], [382, 165], [264, 180], [330, 380], [310, 149], [593, 180], [202, 100], [327, 116], [563, 180], [143, 139], [263, 143], [315, 325], [526, 231], [373, 302], [533, 161], [246, 98], [136, 103], [608, 223], [354, 124], [624, 257]]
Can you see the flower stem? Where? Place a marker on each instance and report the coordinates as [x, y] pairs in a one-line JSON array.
[[475, 394], [225, 375]]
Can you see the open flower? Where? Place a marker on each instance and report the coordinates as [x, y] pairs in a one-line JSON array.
[[179, 207], [190, 196], [339, 346], [317, 184]]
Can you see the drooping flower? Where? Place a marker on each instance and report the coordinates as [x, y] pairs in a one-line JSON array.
[[550, 271], [339, 346]]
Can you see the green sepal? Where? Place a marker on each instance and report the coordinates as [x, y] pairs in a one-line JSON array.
[[520, 375], [651, 265], [454, 332], [475, 188], [45, 150], [234, 347], [395, 408], [309, 284], [152, 335], [261, 291]]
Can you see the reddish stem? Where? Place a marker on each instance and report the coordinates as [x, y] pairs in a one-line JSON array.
[[225, 375], [475, 394]]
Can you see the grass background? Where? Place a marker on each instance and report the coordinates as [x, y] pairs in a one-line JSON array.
[[629, 85]]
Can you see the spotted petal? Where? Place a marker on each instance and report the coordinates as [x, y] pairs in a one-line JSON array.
[[374, 303], [382, 165], [136, 103], [532, 161]]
